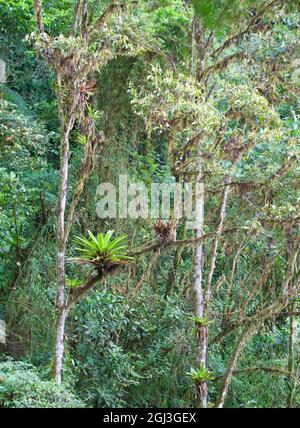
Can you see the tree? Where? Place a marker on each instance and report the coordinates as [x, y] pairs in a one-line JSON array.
[[75, 60], [213, 127], [199, 307]]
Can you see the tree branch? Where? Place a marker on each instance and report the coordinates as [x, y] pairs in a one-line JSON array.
[[76, 294], [112, 8], [37, 7], [272, 370], [244, 336], [76, 17], [237, 37]]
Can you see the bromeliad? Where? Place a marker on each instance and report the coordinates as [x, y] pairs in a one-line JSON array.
[[101, 250]]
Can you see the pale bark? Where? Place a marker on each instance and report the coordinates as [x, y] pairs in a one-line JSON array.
[[70, 108], [76, 17], [198, 52], [66, 127], [199, 219], [59, 339], [67, 121], [199, 297], [61, 249]]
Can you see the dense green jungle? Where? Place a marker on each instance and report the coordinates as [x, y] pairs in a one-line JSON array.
[[149, 204]]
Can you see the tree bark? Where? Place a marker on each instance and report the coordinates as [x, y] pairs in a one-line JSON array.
[[69, 97], [61, 315], [37, 7], [198, 274], [291, 360], [67, 123], [61, 249]]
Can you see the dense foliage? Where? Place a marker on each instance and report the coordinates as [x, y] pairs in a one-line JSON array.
[[169, 91], [21, 386]]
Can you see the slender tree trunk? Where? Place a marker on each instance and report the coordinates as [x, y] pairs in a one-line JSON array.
[[38, 15], [18, 246], [61, 315], [246, 333], [291, 360], [198, 274], [197, 58], [61, 248], [76, 17], [226, 299], [68, 97], [219, 229]]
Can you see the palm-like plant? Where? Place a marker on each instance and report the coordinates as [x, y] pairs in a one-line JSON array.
[[101, 250]]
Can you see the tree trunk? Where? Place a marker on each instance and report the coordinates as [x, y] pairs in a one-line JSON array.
[[207, 293], [61, 249], [246, 333], [199, 309], [61, 314], [291, 360]]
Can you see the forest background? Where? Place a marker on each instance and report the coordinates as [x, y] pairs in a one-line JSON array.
[[156, 314]]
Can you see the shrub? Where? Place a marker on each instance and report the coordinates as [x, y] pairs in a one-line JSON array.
[[21, 386]]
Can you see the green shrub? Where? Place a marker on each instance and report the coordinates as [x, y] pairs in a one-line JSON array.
[[21, 386]]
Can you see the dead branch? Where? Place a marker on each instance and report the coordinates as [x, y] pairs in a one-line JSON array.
[[271, 370]]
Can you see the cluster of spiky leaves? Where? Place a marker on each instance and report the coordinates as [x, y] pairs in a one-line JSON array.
[[136, 340], [200, 321], [201, 374], [100, 250]]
